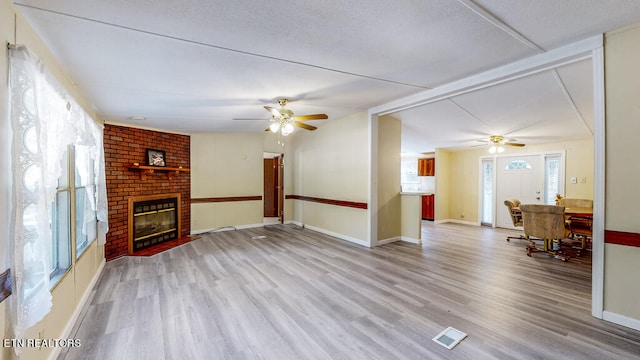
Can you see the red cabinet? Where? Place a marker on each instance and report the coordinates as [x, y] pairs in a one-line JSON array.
[[427, 207]]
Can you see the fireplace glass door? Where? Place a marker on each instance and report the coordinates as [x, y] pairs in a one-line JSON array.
[[154, 222]]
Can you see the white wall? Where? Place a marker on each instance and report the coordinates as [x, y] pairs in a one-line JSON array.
[[226, 165], [622, 263], [389, 201], [330, 163]]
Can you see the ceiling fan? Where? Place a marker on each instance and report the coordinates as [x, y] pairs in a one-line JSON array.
[[284, 120], [498, 141]]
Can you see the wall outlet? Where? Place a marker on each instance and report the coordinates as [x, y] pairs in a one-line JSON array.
[[574, 180]]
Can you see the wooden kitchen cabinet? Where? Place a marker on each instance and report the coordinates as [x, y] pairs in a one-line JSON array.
[[427, 167], [427, 207]]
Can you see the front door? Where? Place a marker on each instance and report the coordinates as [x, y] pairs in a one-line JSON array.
[[519, 177]]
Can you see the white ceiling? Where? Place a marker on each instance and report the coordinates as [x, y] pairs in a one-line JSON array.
[[199, 66]]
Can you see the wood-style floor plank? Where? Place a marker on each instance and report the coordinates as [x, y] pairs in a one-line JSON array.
[[281, 292]]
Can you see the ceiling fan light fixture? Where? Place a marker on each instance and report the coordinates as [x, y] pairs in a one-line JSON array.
[[284, 120], [274, 127], [287, 129]]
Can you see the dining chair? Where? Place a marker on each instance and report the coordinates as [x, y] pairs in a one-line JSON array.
[[576, 203], [545, 222], [513, 206]]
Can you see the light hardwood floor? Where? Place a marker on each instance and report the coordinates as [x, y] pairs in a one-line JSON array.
[[281, 292]]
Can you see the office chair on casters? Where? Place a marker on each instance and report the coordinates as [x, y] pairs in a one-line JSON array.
[[545, 222], [513, 206]]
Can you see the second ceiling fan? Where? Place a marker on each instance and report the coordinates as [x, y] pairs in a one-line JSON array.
[[497, 141], [284, 120]]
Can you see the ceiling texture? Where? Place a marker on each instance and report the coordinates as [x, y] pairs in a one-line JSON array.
[[207, 66]]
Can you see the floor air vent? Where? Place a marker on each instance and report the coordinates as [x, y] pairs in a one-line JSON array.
[[450, 337]]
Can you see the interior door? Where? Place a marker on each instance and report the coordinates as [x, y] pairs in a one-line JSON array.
[[270, 199], [519, 177]]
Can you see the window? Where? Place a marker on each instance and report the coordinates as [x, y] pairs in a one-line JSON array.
[[46, 120], [84, 186], [518, 165], [409, 171], [60, 225], [552, 173], [487, 192]]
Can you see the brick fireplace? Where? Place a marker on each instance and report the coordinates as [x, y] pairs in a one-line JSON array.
[[125, 146]]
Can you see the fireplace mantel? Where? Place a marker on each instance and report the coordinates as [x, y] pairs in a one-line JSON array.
[[148, 170]]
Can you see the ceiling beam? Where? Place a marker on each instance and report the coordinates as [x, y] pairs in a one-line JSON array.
[[571, 102], [497, 22], [565, 55]]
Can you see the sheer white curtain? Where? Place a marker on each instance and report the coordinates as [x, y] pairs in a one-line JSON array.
[[45, 120]]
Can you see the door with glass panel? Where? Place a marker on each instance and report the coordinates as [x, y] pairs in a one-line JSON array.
[[519, 177], [532, 179]]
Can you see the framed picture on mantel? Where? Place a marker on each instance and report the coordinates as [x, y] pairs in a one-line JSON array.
[[155, 157]]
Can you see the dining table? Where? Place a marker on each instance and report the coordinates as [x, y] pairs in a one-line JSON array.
[[580, 224], [583, 212]]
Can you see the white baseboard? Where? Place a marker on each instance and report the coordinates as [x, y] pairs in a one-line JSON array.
[[249, 226], [226, 228], [389, 240], [66, 332], [410, 240], [331, 233], [455, 221], [352, 239], [621, 320]]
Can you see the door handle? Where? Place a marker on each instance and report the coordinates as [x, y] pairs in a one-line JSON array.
[[537, 197]]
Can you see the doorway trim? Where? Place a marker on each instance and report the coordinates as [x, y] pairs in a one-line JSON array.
[[590, 48]]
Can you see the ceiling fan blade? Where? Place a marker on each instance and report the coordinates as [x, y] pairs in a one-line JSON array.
[[273, 111], [304, 126], [256, 119], [513, 144], [311, 117]]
